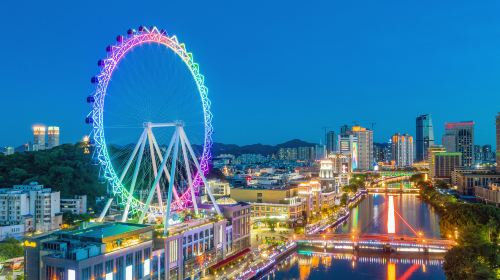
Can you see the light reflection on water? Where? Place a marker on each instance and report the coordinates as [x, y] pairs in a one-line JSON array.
[[370, 216]]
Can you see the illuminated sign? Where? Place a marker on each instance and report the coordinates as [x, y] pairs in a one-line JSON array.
[[147, 267], [109, 276], [71, 274], [31, 244], [354, 155]]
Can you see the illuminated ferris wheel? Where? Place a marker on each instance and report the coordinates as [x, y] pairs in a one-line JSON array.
[[149, 96]]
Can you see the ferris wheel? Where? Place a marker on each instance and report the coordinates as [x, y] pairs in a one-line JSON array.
[[150, 88]]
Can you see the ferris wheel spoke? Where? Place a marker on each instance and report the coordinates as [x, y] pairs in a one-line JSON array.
[[134, 179]]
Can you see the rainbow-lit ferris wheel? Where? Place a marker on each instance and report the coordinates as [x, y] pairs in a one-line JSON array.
[[149, 88]]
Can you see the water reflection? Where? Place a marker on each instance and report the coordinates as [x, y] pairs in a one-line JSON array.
[[370, 216]]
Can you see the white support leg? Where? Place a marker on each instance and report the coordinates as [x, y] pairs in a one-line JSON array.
[[200, 172], [172, 178], [189, 175], [158, 175], [155, 170], [105, 210], [134, 180], [165, 170]]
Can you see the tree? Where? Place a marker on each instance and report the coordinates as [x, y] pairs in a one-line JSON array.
[[271, 223], [344, 199], [10, 248]]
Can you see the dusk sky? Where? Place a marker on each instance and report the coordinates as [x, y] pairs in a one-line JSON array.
[[276, 70]]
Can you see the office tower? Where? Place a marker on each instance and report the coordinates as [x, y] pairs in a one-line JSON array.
[[344, 130], [53, 136], [425, 136], [402, 149], [444, 163], [459, 137], [348, 145], [365, 147], [487, 154], [498, 143], [478, 153], [331, 142], [433, 150], [382, 152], [38, 137]]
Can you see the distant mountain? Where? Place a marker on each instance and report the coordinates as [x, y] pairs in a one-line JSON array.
[[220, 148]]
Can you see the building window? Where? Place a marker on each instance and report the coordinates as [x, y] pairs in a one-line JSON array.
[[86, 273], [98, 272]]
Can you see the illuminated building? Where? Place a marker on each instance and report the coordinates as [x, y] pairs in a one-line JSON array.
[[306, 153], [382, 152], [468, 180], [459, 137], [424, 137], [271, 202], [76, 204], [52, 136], [38, 137], [310, 192], [335, 172], [287, 154], [489, 194], [331, 142], [219, 188], [348, 145], [443, 164], [364, 147], [101, 251], [402, 149]]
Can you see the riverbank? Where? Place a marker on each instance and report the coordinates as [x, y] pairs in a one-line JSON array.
[[476, 227], [261, 268]]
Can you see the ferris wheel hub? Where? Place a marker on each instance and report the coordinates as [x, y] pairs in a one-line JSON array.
[[176, 123]]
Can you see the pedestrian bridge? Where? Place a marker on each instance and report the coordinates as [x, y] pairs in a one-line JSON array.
[[378, 242]]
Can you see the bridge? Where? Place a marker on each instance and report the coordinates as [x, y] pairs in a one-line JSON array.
[[391, 184], [387, 242]]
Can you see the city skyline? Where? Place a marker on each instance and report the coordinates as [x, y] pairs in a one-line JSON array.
[[442, 62]]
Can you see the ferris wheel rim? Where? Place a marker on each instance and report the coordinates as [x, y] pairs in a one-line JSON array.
[[116, 53]]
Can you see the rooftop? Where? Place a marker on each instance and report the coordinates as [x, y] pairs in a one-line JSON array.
[[107, 230]]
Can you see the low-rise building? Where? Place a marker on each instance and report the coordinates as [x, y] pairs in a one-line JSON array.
[[490, 194], [282, 203], [33, 205], [75, 205], [102, 251], [467, 181]]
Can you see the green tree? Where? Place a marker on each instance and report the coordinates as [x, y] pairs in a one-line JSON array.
[[343, 199], [10, 248]]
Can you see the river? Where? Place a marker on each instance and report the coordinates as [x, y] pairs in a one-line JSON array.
[[370, 216]]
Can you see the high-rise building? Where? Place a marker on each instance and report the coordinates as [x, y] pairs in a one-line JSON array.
[[487, 153], [38, 137], [53, 136], [306, 153], [382, 152], [348, 145], [425, 136], [331, 142], [433, 150], [402, 150], [498, 143], [459, 137], [444, 163], [365, 147], [344, 130], [478, 153]]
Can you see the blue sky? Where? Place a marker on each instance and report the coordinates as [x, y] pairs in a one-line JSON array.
[[276, 70]]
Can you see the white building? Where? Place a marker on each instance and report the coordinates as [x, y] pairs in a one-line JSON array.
[[24, 203], [402, 149], [219, 188], [75, 205]]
